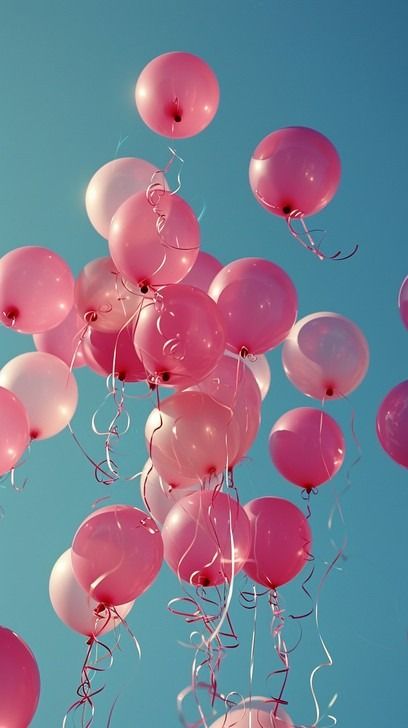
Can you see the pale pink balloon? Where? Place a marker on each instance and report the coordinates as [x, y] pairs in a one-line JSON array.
[[295, 169], [325, 355], [46, 388], [64, 340], [102, 299], [392, 423], [154, 245], [19, 681], [36, 289], [114, 352], [260, 368], [259, 303], [177, 94], [14, 430], [203, 271], [307, 446], [403, 301], [112, 185], [198, 534], [75, 607], [281, 541], [254, 712], [157, 495], [180, 336], [116, 554]]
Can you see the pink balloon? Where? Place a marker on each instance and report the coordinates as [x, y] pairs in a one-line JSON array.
[[101, 298], [191, 438], [112, 185], [117, 553], [259, 303], [403, 301], [153, 246], [295, 169], [158, 496], [74, 606], [19, 681], [307, 446], [177, 95], [392, 423], [325, 355], [14, 430], [254, 712], [46, 388], [281, 541], [259, 367], [197, 537], [36, 289], [114, 352], [64, 340], [180, 336], [203, 271]]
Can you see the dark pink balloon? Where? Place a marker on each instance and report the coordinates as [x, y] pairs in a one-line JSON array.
[[197, 536], [325, 355], [295, 169], [254, 712], [154, 247], [203, 271], [64, 340], [177, 94], [159, 497], [307, 446], [14, 430], [36, 289], [114, 352], [19, 681], [392, 423], [258, 301], [281, 541], [403, 302], [180, 336], [116, 554]]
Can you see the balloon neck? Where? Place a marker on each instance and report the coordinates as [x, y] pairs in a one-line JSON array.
[[286, 209], [177, 118], [90, 317], [144, 288], [244, 352], [203, 580], [329, 392], [34, 434], [121, 376], [11, 316], [165, 376]]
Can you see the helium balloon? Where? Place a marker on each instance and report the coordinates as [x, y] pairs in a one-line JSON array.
[[177, 95], [392, 423], [19, 681], [159, 497], [403, 302], [294, 170], [14, 430], [203, 271], [114, 352], [325, 355], [64, 340], [254, 712]]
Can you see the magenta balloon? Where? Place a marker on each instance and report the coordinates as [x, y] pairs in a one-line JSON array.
[[325, 355], [36, 289], [294, 170], [307, 446], [46, 388], [14, 430], [74, 606], [203, 271], [191, 438], [19, 681], [403, 302], [153, 248], [159, 497], [281, 541], [392, 423], [177, 95], [180, 337], [258, 301], [254, 712], [101, 298], [116, 554], [197, 538], [114, 352], [112, 185], [64, 340]]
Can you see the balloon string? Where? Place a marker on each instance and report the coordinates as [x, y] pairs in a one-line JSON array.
[[20, 486], [310, 243], [278, 623], [101, 475]]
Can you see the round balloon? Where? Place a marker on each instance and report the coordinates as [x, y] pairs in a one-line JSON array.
[[392, 423], [114, 352], [19, 681], [254, 712], [403, 301], [64, 341]]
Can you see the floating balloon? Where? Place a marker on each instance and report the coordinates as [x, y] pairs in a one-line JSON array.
[[19, 681], [392, 423], [14, 430], [294, 170], [36, 289], [281, 541], [325, 355], [177, 95], [203, 271], [403, 302], [254, 712], [114, 352], [307, 446], [64, 341], [159, 497]]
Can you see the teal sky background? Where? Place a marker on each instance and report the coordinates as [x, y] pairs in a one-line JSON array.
[[67, 76]]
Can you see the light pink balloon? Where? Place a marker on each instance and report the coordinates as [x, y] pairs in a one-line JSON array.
[[255, 712], [177, 94], [294, 169], [307, 446], [403, 301], [74, 606], [36, 289], [259, 303], [14, 430], [259, 367], [392, 423], [114, 352], [179, 337], [157, 495], [281, 541], [112, 185], [325, 355], [203, 271], [64, 340], [46, 388], [19, 681], [197, 537], [116, 554], [154, 246]]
